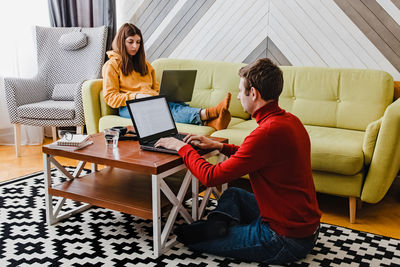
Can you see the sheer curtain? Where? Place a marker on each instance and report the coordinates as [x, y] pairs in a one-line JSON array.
[[18, 59]]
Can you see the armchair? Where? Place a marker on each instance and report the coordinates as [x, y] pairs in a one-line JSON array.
[[66, 58]]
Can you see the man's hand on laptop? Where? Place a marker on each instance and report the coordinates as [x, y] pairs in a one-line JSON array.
[[170, 143], [202, 142], [195, 140]]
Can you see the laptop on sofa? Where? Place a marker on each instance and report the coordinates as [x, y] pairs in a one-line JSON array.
[[178, 85]]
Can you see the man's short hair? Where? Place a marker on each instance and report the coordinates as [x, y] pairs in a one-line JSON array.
[[264, 76]]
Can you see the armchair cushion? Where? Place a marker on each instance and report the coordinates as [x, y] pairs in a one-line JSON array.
[[65, 91], [72, 41], [49, 109]]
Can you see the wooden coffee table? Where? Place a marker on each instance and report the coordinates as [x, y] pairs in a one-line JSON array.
[[131, 183]]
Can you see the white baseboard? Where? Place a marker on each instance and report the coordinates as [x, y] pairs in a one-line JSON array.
[[30, 135], [7, 136]]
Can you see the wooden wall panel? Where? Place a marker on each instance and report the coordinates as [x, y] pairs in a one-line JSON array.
[[328, 33], [373, 29]]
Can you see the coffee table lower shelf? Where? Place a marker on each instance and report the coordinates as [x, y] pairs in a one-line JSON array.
[[117, 189]]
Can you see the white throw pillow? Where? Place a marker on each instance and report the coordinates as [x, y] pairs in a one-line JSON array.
[[73, 41], [65, 91]]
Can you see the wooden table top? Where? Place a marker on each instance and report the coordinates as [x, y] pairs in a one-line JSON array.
[[128, 155]]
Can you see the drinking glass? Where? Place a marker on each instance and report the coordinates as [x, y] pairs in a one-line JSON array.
[[111, 137]]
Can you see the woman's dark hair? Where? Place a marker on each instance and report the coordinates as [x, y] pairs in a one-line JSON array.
[[264, 76], [128, 62]]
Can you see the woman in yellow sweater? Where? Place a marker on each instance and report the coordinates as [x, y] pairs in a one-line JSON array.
[[128, 75]]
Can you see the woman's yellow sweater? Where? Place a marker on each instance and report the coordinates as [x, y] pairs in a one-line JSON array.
[[118, 88]]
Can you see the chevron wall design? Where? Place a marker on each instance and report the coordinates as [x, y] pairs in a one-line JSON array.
[[330, 33]]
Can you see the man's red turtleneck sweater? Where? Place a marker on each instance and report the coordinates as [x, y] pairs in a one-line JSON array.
[[276, 155]]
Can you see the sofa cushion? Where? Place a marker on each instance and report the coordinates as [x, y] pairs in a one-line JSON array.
[[195, 129], [336, 150], [235, 136], [234, 121], [332, 149], [342, 98], [245, 125], [110, 121], [49, 109]]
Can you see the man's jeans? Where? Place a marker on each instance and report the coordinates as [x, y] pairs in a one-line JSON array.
[[181, 112], [249, 238]]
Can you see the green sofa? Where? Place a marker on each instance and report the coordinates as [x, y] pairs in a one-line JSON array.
[[352, 121]]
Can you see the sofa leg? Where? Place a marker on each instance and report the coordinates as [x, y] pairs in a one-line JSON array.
[[17, 139], [353, 207]]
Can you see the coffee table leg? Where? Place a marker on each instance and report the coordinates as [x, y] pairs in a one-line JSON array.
[[52, 213], [160, 236], [47, 182], [195, 198], [155, 180], [94, 167]]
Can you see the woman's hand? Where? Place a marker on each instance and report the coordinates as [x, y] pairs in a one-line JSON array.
[[202, 142]]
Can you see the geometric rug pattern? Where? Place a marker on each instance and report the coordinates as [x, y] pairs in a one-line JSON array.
[[102, 237]]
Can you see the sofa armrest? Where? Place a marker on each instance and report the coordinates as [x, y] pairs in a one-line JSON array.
[[94, 106], [385, 162], [370, 136], [91, 104]]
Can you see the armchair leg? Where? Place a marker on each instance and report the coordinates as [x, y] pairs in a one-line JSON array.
[[353, 207], [54, 133], [79, 129], [17, 139]]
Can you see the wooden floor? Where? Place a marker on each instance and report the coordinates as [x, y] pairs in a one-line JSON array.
[[382, 218]]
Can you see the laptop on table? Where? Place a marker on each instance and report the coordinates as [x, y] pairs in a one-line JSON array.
[[178, 85], [153, 120]]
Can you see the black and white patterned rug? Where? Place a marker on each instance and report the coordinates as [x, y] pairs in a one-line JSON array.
[[101, 237]]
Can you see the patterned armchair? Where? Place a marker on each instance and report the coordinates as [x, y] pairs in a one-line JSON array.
[[66, 58]]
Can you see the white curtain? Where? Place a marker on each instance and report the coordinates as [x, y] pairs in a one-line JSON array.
[[17, 19]]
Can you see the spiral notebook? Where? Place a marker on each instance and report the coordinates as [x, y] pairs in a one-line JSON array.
[[70, 148], [77, 140]]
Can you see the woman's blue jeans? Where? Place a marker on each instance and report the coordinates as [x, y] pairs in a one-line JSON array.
[[248, 237], [181, 112]]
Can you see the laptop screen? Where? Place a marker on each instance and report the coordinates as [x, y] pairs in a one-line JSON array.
[[151, 116], [178, 85]]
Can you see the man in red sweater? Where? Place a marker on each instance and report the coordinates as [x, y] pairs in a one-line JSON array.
[[279, 223]]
